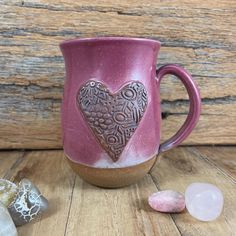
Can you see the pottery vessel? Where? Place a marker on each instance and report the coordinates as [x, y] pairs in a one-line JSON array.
[[111, 114]]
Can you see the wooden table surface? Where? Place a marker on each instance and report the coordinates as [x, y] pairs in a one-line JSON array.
[[77, 208]]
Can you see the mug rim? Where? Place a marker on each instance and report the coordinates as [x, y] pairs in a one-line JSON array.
[[70, 42]]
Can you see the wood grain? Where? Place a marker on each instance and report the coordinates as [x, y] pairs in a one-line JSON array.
[[196, 34], [183, 166], [77, 208], [9, 160], [49, 171], [109, 212], [222, 157]]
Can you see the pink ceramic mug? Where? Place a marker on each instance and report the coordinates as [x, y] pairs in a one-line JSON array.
[[111, 114]]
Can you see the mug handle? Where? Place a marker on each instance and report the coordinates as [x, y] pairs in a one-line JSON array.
[[195, 104]]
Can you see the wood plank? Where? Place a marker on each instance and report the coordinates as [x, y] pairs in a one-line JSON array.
[[9, 160], [77, 207], [215, 126], [107, 212], [49, 171], [223, 157], [194, 34], [177, 14], [183, 166]]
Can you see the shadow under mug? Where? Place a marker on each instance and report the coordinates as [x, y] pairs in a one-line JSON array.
[[111, 114]]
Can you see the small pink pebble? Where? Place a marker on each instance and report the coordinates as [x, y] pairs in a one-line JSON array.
[[204, 201], [168, 201]]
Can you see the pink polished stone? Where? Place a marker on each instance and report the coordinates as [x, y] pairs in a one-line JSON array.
[[204, 201], [167, 201]]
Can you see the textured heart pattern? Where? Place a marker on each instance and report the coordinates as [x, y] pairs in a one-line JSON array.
[[113, 118]]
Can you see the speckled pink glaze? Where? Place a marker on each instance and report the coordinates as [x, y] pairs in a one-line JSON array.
[[115, 61], [168, 201]]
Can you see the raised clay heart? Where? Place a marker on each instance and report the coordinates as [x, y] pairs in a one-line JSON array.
[[113, 118]]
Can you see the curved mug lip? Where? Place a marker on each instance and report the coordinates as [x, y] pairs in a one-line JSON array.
[[71, 42]]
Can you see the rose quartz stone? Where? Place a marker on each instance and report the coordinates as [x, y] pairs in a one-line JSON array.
[[204, 201], [167, 201]]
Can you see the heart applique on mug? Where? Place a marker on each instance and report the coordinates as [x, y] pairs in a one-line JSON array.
[[113, 118]]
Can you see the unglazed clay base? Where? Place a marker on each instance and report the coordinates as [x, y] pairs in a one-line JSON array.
[[112, 177]]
